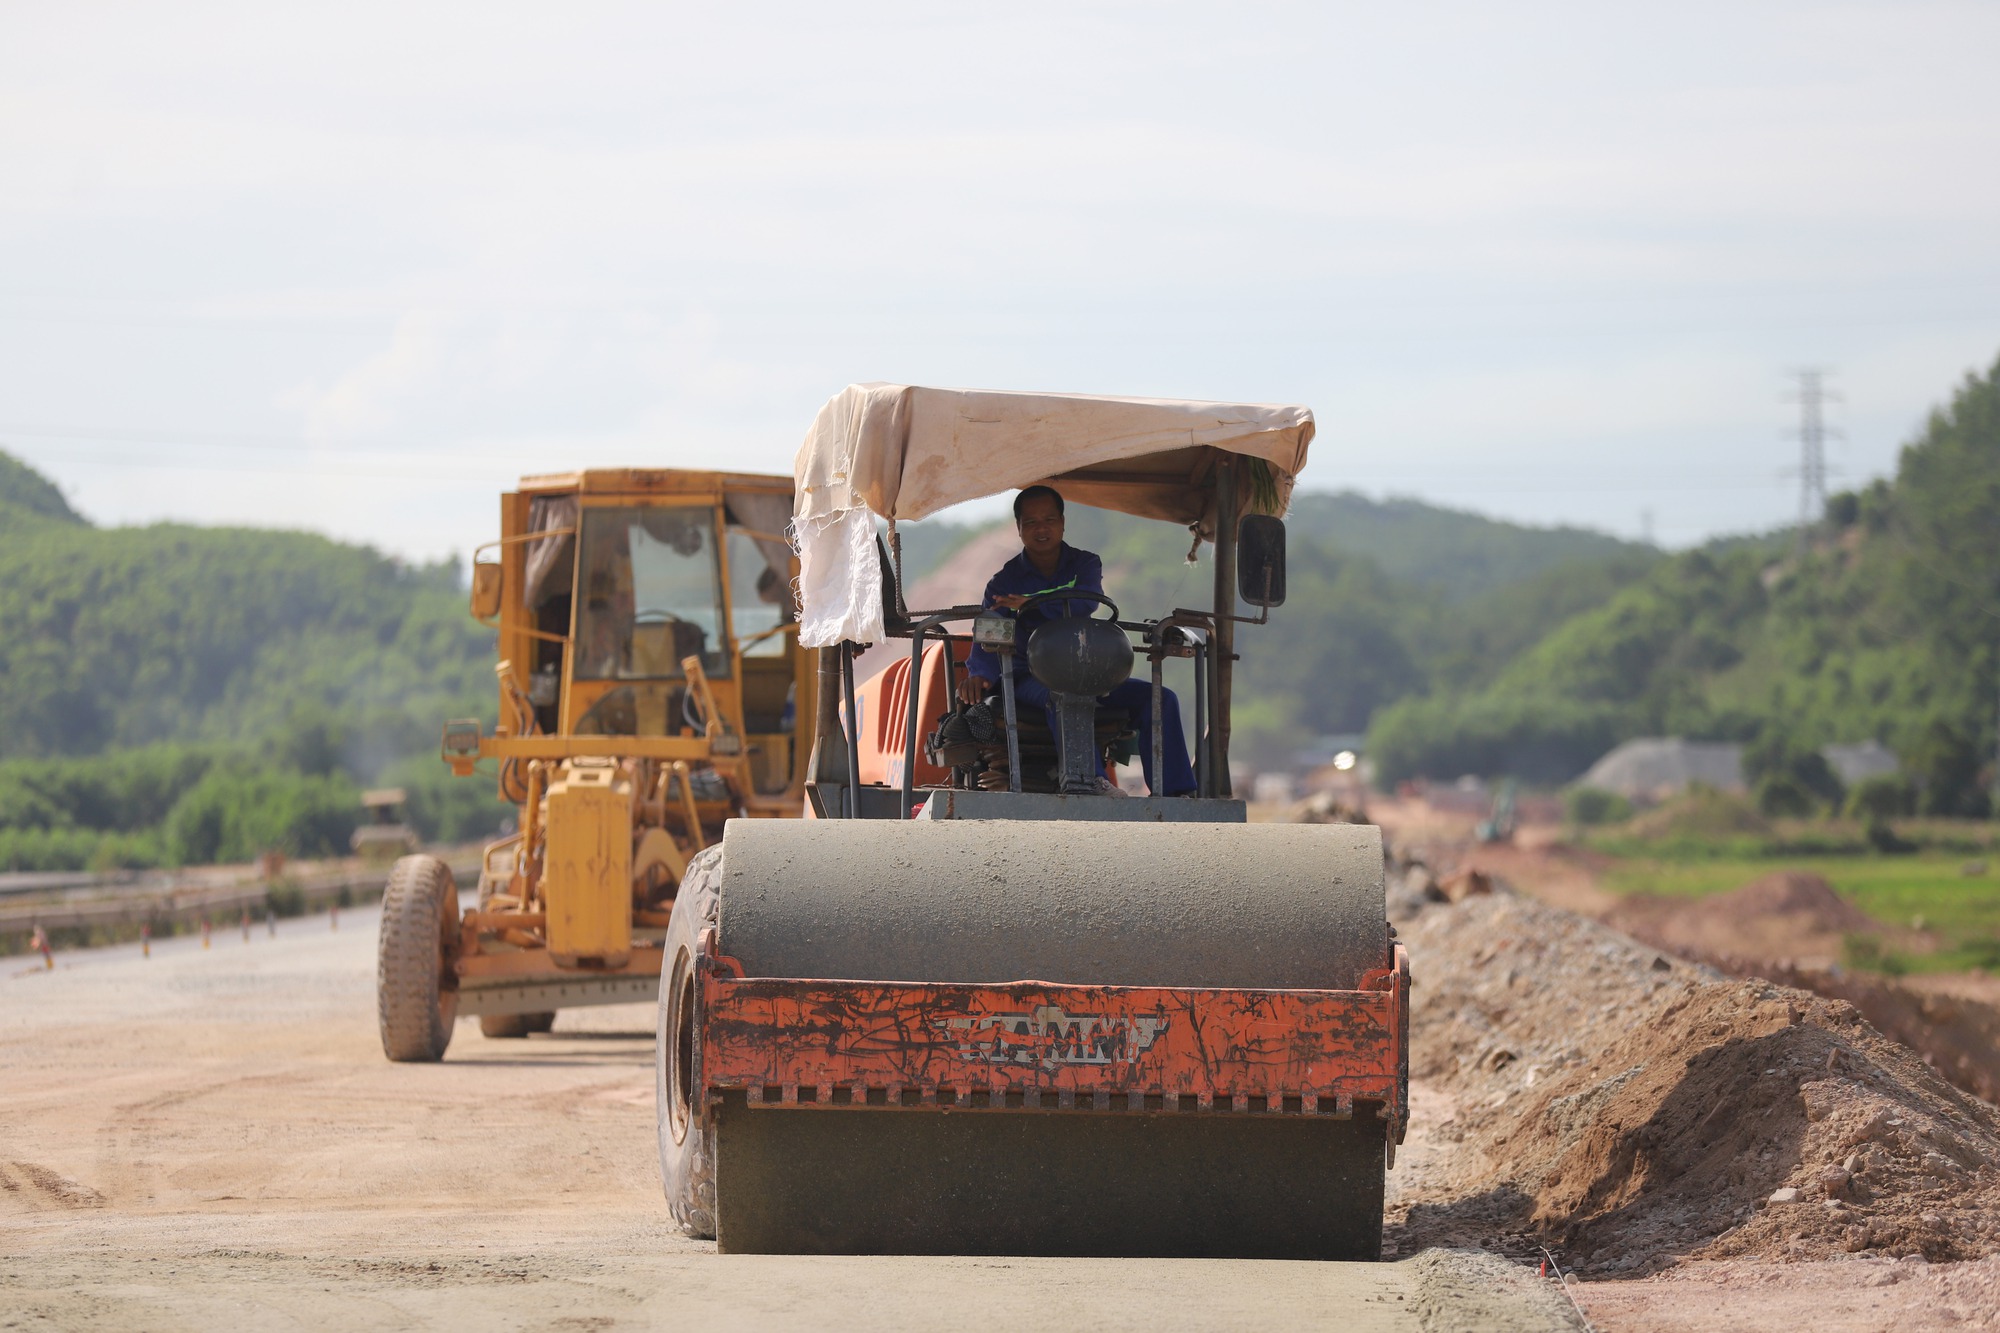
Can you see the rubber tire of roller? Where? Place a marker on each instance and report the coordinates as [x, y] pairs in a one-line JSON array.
[[504, 1026], [685, 1131], [414, 1004]]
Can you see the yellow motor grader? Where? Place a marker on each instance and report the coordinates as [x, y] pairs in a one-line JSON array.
[[652, 687]]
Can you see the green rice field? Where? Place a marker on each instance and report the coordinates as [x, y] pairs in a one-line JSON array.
[[1930, 889]]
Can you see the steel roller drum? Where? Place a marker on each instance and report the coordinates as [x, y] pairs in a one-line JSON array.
[[1196, 905]]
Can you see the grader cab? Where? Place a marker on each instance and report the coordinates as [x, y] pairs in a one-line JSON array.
[[651, 689]]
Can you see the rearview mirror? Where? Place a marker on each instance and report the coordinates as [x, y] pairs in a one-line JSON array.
[[1260, 560], [486, 584]]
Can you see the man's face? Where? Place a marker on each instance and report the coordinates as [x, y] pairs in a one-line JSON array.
[[1041, 526]]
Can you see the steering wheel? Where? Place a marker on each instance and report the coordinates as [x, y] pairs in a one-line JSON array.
[[1068, 595]]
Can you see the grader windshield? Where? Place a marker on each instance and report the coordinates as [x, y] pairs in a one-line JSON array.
[[651, 595], [626, 577]]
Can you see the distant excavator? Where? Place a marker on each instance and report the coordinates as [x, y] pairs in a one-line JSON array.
[[1499, 825]]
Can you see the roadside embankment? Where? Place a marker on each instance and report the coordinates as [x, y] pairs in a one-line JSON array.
[[89, 911], [1635, 1110]]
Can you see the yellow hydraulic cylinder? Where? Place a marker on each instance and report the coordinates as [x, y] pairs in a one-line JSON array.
[[587, 874]]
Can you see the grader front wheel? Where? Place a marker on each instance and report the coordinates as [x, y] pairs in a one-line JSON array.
[[416, 993]]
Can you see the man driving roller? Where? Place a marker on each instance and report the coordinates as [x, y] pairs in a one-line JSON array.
[[1048, 564]]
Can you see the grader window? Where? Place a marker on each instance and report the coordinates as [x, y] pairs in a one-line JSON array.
[[649, 593], [760, 597]]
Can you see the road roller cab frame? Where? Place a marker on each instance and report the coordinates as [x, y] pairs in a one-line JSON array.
[[939, 1017], [651, 688]]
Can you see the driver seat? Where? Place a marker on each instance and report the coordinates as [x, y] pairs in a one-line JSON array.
[[1115, 741], [660, 646]]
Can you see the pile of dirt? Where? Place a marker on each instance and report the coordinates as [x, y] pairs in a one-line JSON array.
[[1957, 1035], [1700, 812], [1792, 928], [1633, 1109], [1790, 914]]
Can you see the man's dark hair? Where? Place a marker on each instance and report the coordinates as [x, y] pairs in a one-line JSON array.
[[1035, 492]]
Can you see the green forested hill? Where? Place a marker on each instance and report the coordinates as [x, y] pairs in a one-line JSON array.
[[1457, 554], [174, 692], [1387, 599], [1461, 555], [27, 498], [182, 693], [169, 633], [1353, 636], [1886, 627]]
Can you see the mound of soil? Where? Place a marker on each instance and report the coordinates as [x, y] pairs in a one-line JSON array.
[[1791, 927], [1787, 915], [1633, 1109], [1701, 812], [1958, 1035]]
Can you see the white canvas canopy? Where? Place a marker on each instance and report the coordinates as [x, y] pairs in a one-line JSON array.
[[901, 452]]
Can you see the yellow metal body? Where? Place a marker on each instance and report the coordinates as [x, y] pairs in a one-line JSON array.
[[587, 866], [634, 720]]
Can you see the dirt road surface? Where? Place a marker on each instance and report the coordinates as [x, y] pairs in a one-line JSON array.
[[211, 1139]]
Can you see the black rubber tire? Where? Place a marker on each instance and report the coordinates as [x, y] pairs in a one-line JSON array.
[[686, 1130], [504, 1026], [415, 989]]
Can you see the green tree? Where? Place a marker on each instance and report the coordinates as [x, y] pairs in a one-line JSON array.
[[1946, 763], [236, 814], [1590, 806], [1775, 758], [1881, 798]]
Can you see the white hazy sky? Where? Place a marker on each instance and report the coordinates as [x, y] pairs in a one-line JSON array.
[[354, 267]]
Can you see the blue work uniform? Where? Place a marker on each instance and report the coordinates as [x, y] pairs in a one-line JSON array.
[[1081, 571]]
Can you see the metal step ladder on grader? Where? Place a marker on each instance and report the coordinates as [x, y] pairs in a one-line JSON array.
[[938, 1017], [652, 688]]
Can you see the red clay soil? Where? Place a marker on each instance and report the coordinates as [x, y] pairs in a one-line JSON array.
[[1559, 874]]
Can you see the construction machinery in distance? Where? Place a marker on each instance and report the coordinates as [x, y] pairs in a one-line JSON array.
[[651, 689], [977, 1001]]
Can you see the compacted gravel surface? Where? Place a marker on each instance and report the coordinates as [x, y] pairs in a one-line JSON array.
[[211, 1138]]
